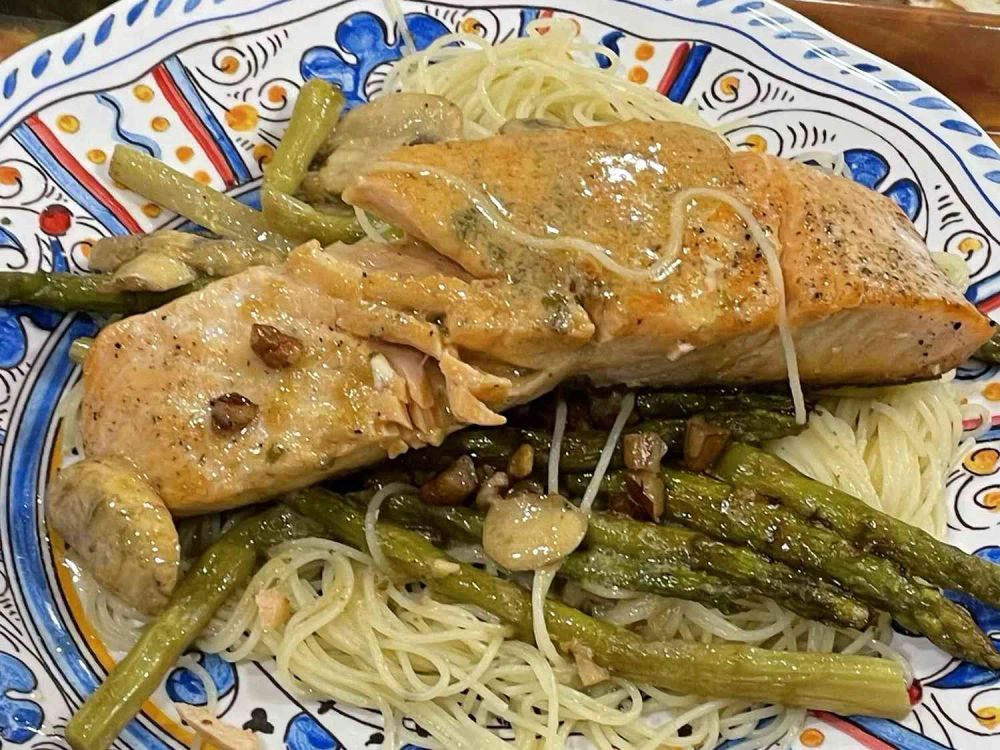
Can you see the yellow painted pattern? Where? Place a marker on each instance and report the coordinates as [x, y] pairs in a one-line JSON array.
[[992, 500], [756, 143], [638, 74], [812, 737], [9, 175], [68, 123], [242, 117], [263, 152], [644, 51], [988, 716], [970, 245], [982, 461]]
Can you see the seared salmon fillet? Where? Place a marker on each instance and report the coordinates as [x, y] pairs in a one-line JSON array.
[[213, 421], [866, 303], [632, 253]]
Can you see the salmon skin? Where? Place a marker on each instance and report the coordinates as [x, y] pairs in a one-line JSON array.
[[629, 253]]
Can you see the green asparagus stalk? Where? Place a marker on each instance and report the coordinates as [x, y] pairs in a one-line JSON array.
[[737, 517], [213, 210], [316, 112], [582, 448], [990, 351], [224, 568], [676, 549], [668, 575], [845, 684], [654, 577], [813, 599], [68, 292], [917, 551], [300, 221], [659, 403]]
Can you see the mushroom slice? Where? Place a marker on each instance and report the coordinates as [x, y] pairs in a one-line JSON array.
[[453, 485], [528, 125], [526, 531], [118, 528], [153, 272], [167, 259], [372, 130]]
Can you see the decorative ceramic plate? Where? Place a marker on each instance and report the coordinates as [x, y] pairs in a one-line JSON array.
[[207, 85]]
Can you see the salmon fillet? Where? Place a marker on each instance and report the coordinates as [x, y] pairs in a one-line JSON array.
[[866, 304], [528, 263]]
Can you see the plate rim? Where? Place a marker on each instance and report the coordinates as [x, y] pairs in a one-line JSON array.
[[150, 727]]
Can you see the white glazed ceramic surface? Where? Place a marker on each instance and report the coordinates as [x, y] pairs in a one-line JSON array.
[[207, 85]]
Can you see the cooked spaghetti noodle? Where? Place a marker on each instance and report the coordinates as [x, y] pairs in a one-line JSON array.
[[892, 447], [550, 74]]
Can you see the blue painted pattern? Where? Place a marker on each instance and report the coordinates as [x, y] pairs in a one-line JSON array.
[[20, 718], [184, 686], [988, 619], [13, 337], [73, 50], [870, 169], [364, 37], [139, 141], [305, 733]]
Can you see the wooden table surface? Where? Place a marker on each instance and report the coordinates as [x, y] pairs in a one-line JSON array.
[[956, 52]]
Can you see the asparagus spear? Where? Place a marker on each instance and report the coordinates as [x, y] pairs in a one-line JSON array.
[[813, 599], [213, 210], [684, 552], [667, 575], [654, 577], [300, 221], [845, 684], [738, 517], [68, 292], [316, 112], [917, 551], [581, 448], [683, 404], [990, 351], [223, 568]]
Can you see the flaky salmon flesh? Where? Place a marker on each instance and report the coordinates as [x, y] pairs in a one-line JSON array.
[[621, 253]]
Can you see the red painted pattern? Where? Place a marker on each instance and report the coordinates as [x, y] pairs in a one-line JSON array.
[[193, 123], [853, 731], [989, 304], [974, 422], [85, 178], [545, 13], [674, 67]]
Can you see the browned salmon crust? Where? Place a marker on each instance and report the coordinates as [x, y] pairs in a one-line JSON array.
[[406, 342]]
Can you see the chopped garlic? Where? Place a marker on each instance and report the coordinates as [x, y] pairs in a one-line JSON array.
[[273, 607], [442, 568], [382, 372], [212, 729], [591, 673]]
